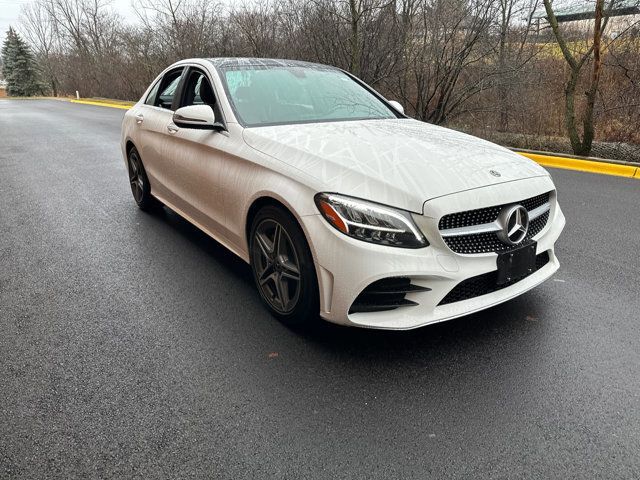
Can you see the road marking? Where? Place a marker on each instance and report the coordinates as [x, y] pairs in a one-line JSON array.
[[604, 168], [100, 103]]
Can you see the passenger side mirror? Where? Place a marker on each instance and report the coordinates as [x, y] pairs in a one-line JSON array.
[[396, 105], [196, 116]]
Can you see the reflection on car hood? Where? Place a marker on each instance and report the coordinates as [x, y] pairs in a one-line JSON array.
[[400, 162]]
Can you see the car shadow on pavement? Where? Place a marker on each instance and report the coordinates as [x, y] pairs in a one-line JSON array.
[[504, 323], [222, 255]]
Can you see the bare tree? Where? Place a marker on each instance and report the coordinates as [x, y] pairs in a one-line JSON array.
[[513, 53], [258, 26], [39, 30], [447, 44], [581, 146]]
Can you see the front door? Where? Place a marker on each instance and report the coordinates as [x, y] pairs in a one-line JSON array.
[[198, 157]]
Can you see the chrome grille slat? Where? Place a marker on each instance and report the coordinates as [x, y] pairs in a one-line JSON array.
[[475, 231], [471, 230], [538, 212], [493, 226]]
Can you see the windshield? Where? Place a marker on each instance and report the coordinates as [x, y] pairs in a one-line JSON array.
[[280, 95]]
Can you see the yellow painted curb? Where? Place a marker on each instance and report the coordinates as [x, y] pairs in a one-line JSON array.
[[603, 168], [100, 103]]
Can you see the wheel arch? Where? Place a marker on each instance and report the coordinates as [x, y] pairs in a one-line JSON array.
[[128, 146], [269, 199], [265, 199], [260, 202]]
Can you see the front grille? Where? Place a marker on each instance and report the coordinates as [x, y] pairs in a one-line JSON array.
[[535, 202], [536, 226], [486, 283], [386, 294], [489, 242]]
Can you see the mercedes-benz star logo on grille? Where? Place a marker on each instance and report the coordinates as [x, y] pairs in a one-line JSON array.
[[514, 223]]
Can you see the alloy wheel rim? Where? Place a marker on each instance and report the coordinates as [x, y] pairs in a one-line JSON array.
[[277, 266], [135, 177]]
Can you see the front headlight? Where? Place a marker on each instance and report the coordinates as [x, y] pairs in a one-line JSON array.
[[370, 222]]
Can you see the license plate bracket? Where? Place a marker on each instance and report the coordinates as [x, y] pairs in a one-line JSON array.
[[516, 264]]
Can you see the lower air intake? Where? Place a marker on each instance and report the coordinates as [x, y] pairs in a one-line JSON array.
[[486, 283], [386, 294]]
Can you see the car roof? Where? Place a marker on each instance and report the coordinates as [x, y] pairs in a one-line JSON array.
[[226, 62]]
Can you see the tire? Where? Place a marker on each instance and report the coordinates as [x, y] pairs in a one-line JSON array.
[[139, 182], [275, 262]]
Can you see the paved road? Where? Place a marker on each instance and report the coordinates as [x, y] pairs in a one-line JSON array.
[[132, 345]]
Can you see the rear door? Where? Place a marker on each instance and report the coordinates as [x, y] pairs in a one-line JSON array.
[[152, 136]]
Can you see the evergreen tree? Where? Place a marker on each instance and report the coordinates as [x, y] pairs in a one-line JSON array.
[[19, 67]]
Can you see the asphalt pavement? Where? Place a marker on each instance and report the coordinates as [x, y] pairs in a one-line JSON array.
[[134, 346]]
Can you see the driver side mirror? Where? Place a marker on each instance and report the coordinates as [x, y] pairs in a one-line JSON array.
[[397, 106], [196, 116]]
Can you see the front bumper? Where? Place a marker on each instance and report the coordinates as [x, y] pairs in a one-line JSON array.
[[346, 266]]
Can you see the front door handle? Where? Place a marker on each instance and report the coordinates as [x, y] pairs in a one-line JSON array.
[[172, 128], [139, 118]]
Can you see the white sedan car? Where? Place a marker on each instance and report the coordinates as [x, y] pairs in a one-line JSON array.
[[343, 206]]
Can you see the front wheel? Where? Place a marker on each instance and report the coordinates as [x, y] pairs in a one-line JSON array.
[[283, 267]]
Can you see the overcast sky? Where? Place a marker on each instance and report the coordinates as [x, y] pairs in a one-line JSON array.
[[10, 12]]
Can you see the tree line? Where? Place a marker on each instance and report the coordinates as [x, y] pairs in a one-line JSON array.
[[479, 65]]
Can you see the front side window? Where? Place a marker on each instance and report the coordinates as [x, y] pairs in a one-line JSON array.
[[197, 90], [283, 95]]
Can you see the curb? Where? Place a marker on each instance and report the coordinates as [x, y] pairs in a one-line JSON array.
[[592, 166], [575, 157], [100, 103]]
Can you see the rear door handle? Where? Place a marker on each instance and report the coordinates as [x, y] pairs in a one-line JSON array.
[[139, 118], [172, 128]]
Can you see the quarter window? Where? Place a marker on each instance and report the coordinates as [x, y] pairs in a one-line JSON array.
[[151, 98]]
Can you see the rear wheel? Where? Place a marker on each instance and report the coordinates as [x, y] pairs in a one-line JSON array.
[[283, 267], [140, 187]]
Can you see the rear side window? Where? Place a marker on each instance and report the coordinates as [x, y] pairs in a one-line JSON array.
[[168, 88]]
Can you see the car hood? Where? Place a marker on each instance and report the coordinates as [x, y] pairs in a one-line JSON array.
[[401, 163]]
